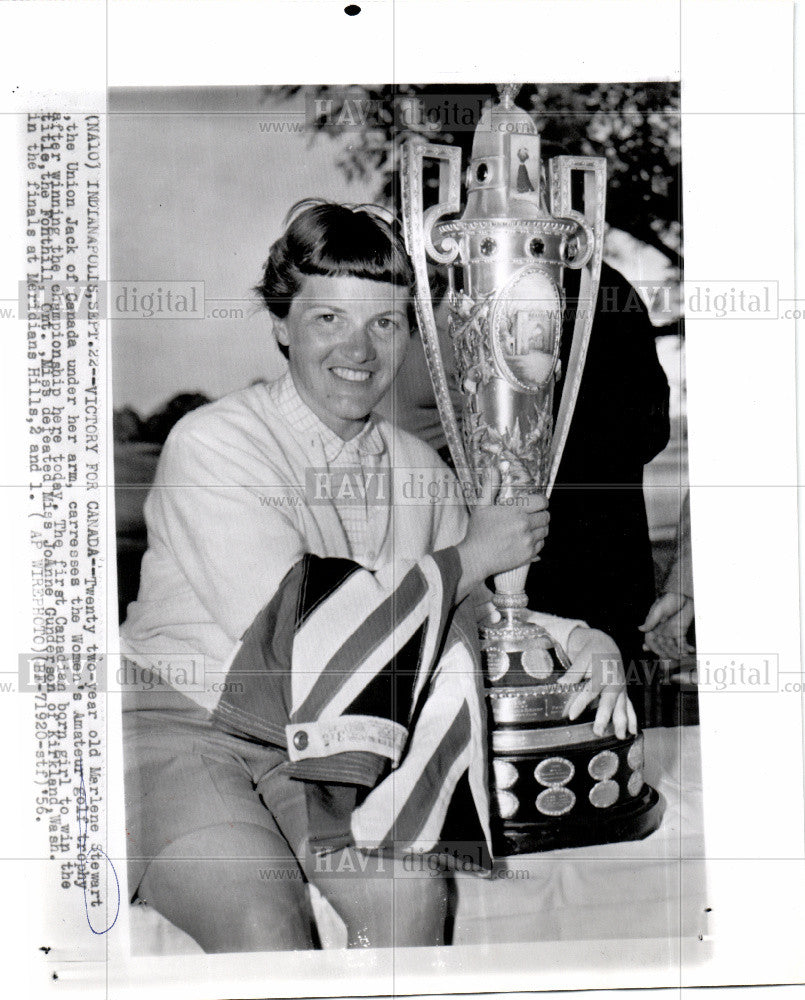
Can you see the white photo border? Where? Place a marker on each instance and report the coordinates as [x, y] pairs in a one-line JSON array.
[[735, 62]]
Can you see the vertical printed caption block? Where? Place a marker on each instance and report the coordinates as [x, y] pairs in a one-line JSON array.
[[62, 303]]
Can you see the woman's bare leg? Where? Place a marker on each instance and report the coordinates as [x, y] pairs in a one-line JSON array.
[[232, 888], [381, 903]]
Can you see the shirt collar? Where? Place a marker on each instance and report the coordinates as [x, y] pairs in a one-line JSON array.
[[368, 441]]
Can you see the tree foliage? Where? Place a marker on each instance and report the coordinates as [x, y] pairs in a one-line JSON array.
[[636, 126]]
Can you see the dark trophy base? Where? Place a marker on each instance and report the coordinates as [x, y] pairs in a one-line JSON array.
[[555, 783], [634, 821], [578, 791], [629, 821]]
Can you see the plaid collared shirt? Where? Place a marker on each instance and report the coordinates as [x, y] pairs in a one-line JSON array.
[[359, 459]]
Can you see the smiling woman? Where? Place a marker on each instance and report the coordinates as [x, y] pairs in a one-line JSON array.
[[346, 338], [338, 286], [338, 725]]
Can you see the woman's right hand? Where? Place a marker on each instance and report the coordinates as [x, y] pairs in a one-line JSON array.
[[502, 534]]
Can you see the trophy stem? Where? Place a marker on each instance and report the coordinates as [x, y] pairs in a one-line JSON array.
[[510, 592]]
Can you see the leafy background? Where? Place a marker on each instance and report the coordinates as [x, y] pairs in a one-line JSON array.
[[635, 126]]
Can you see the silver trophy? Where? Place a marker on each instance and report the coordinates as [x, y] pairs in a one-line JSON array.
[[523, 224]]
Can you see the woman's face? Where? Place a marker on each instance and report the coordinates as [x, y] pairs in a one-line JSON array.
[[346, 339]]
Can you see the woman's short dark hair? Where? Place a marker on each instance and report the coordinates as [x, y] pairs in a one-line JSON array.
[[323, 238]]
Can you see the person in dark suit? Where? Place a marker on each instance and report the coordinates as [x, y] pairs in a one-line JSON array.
[[597, 562]]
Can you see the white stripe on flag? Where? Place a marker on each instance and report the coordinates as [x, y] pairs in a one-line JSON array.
[[331, 625], [375, 818], [428, 835], [433, 578]]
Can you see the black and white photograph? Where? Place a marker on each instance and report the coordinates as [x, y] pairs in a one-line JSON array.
[[403, 497], [380, 691]]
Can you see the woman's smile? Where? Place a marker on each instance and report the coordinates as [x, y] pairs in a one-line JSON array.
[[351, 374], [346, 339]]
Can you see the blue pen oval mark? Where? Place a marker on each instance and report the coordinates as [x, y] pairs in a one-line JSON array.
[[83, 874]]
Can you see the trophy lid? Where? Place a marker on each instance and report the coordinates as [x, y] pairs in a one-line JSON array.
[[504, 176]]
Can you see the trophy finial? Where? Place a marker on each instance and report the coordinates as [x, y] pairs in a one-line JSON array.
[[507, 93]]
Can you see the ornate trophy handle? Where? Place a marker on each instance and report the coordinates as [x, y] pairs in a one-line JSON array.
[[591, 222], [418, 229]]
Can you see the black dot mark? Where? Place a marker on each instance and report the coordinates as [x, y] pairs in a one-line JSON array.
[[352, 9]]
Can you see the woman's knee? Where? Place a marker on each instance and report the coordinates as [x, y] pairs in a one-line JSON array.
[[232, 889], [264, 919]]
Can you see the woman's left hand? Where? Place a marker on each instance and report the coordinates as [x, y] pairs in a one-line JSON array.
[[595, 658]]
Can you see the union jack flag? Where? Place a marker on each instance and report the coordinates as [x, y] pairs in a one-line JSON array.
[[383, 721]]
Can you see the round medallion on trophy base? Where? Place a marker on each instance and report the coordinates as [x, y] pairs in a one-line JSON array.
[[560, 785], [629, 820]]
